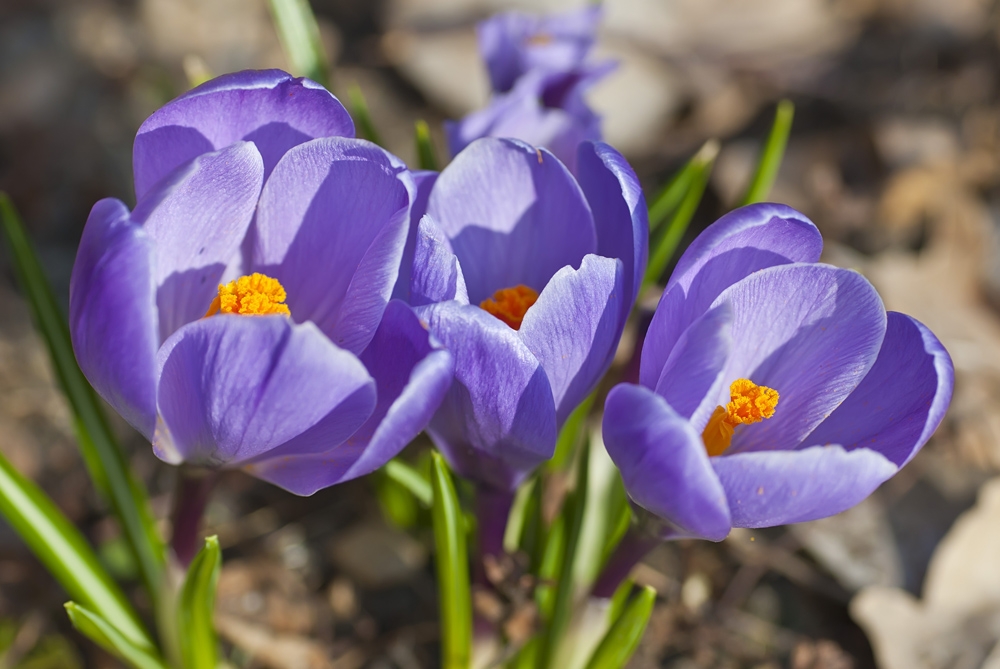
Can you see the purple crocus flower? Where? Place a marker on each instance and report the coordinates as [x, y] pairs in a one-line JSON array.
[[240, 315], [539, 77], [526, 274], [773, 389]]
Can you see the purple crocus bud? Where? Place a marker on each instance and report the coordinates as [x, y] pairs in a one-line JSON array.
[[513, 43], [539, 76], [773, 389], [267, 107], [281, 354], [526, 274]]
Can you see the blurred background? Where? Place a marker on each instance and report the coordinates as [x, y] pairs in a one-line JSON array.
[[894, 155]]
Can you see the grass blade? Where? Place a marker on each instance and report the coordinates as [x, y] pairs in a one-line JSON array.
[[299, 37], [411, 479], [58, 545], [426, 155], [362, 117], [663, 249], [623, 638], [670, 196], [774, 152], [452, 569], [105, 635], [100, 451], [199, 645]]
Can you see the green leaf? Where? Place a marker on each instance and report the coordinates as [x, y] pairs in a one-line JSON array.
[[618, 600], [670, 196], [623, 638], [662, 250], [57, 543], [411, 479], [199, 645], [299, 36], [571, 435], [105, 635], [452, 569], [517, 519], [774, 152], [548, 568], [362, 117], [426, 156], [101, 454], [562, 606]]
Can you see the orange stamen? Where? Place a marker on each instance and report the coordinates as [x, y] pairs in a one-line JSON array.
[[748, 403], [253, 295], [510, 304]]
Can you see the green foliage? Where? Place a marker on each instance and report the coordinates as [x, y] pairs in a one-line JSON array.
[[107, 636], [426, 156], [623, 638], [300, 39], [199, 645], [362, 117], [452, 569], [772, 155]]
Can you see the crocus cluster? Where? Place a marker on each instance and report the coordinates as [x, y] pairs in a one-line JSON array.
[[539, 74], [240, 314], [773, 388]]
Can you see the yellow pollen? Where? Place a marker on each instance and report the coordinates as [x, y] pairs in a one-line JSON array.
[[748, 403], [510, 304], [253, 295]]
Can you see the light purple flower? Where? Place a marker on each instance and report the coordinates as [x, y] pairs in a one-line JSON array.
[[504, 214], [860, 390], [539, 77], [325, 395]]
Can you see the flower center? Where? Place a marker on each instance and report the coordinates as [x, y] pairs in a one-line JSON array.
[[510, 304], [748, 403], [253, 295]]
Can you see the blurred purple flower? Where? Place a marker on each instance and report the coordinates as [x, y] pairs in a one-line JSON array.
[[847, 393], [231, 183], [539, 76], [506, 225]]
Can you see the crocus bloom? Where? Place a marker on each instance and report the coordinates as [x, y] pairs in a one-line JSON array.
[[539, 76], [773, 389], [527, 276], [239, 316]]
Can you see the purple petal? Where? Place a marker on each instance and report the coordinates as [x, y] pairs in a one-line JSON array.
[[233, 388], [514, 215], [809, 331], [412, 377], [424, 181], [694, 373], [778, 487], [498, 420], [513, 43], [112, 313], [436, 273], [268, 107], [197, 220], [574, 327], [663, 463], [331, 227], [901, 401], [740, 243], [620, 214]]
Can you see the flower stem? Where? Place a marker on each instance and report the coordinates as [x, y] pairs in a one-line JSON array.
[[193, 489], [492, 509], [634, 546]]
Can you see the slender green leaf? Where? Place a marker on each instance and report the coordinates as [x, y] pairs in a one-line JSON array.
[[199, 644], [670, 196], [107, 636], [299, 36], [562, 607], [623, 638], [57, 543], [362, 117], [411, 479], [100, 451], [571, 435], [618, 600], [662, 250], [452, 569], [771, 157], [548, 568], [426, 156], [517, 518]]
